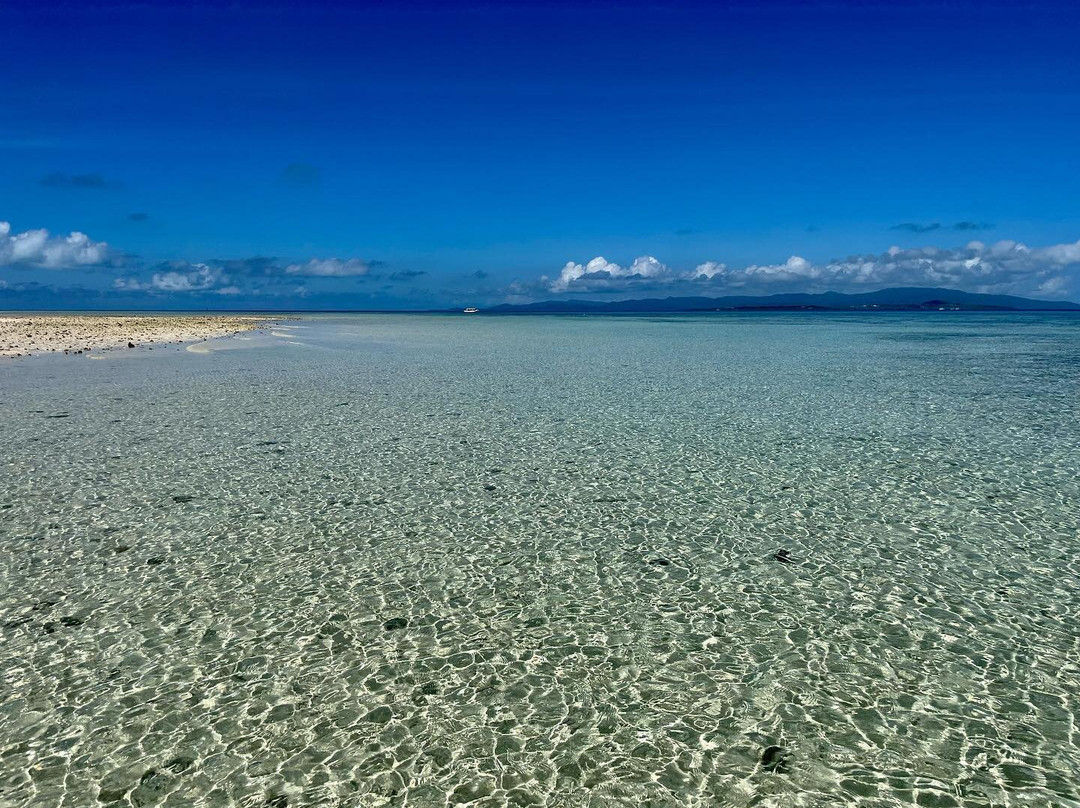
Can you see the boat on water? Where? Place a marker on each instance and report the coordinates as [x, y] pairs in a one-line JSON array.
[[471, 310]]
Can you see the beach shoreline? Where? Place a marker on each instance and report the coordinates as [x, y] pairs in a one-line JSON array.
[[23, 336]]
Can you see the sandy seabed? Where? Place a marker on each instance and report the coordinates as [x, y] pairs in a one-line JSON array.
[[44, 333]]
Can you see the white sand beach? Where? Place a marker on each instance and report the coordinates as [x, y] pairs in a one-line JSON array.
[[28, 335]]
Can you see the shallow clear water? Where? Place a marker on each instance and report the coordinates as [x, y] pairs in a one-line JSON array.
[[419, 560]]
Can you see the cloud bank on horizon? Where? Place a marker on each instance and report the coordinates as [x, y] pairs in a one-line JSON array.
[[1004, 267], [38, 263]]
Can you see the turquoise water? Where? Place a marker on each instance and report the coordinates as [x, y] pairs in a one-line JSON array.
[[429, 560]]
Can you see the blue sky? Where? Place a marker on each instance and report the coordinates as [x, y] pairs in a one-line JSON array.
[[424, 154]]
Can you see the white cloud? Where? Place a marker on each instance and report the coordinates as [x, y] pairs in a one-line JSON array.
[[600, 271], [1006, 267], [330, 268], [1063, 254], [600, 274], [199, 278], [233, 277], [795, 268], [647, 267], [76, 249], [37, 248], [129, 285], [574, 272], [710, 269], [185, 278]]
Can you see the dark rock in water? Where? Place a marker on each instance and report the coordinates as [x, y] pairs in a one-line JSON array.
[[775, 759], [151, 786], [156, 560], [395, 623], [180, 764], [659, 562], [50, 627], [783, 556], [489, 488], [380, 715], [280, 712], [131, 344], [183, 498], [70, 621], [45, 604]]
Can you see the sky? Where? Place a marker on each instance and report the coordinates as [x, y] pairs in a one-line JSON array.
[[422, 155]]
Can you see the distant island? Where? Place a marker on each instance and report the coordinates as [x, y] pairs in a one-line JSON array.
[[899, 299]]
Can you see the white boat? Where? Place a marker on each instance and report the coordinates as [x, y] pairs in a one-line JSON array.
[[471, 310]]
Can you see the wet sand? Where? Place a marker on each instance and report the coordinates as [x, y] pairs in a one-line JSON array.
[[29, 335]]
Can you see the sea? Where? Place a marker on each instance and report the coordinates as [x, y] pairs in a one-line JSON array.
[[729, 559]]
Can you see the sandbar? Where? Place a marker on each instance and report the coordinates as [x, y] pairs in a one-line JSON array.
[[35, 334]]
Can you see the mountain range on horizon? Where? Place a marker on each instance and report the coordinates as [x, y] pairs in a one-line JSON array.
[[893, 299]]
